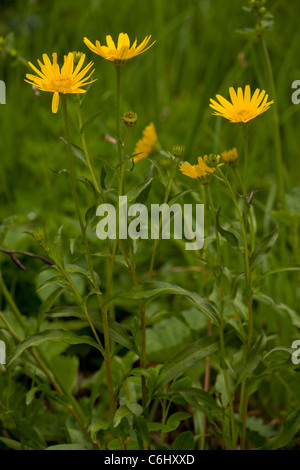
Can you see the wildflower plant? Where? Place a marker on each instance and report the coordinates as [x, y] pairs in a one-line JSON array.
[[181, 356]]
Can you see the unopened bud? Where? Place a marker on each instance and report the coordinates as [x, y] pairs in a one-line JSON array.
[[211, 160], [130, 118], [178, 151]]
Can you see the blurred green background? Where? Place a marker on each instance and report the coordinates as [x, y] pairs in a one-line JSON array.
[[197, 54]]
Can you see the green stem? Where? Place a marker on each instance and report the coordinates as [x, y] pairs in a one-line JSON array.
[[121, 177], [87, 256], [156, 241], [244, 393], [221, 326], [142, 308], [246, 155], [118, 92], [84, 146]]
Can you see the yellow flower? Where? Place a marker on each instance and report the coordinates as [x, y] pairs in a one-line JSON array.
[[242, 108], [212, 160], [200, 172], [230, 156], [147, 145], [60, 81], [122, 52]]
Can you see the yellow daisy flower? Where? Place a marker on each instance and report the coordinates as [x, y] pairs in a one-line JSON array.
[[122, 52], [60, 81], [147, 145], [230, 156], [200, 172], [242, 108]]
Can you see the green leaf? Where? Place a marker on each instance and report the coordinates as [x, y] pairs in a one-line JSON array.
[[174, 420], [125, 411], [185, 441], [141, 192], [290, 428], [116, 331], [229, 236], [279, 307], [142, 432], [98, 425], [263, 247], [50, 335], [151, 290], [89, 121], [67, 447], [254, 358], [11, 444], [66, 371], [189, 356], [283, 269], [201, 400], [77, 151], [56, 250]]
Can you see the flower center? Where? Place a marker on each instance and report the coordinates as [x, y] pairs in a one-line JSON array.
[[62, 85], [242, 115]]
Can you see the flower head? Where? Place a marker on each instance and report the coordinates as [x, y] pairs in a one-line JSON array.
[[122, 52], [147, 145], [130, 118], [200, 172], [212, 160], [60, 81], [242, 108], [230, 156]]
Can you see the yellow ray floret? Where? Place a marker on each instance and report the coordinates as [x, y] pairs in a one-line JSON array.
[[200, 172], [242, 107], [60, 81], [120, 53], [147, 145]]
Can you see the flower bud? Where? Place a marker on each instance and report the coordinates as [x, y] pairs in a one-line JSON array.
[[230, 157], [178, 151], [130, 118], [211, 160]]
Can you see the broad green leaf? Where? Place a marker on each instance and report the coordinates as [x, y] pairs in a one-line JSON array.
[[116, 331], [290, 428], [229, 236], [283, 269], [141, 189], [151, 290], [254, 358], [263, 247], [125, 411], [174, 420], [185, 441], [165, 338], [279, 307], [188, 357], [142, 432], [98, 425], [202, 400], [77, 151], [11, 443], [50, 335]]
